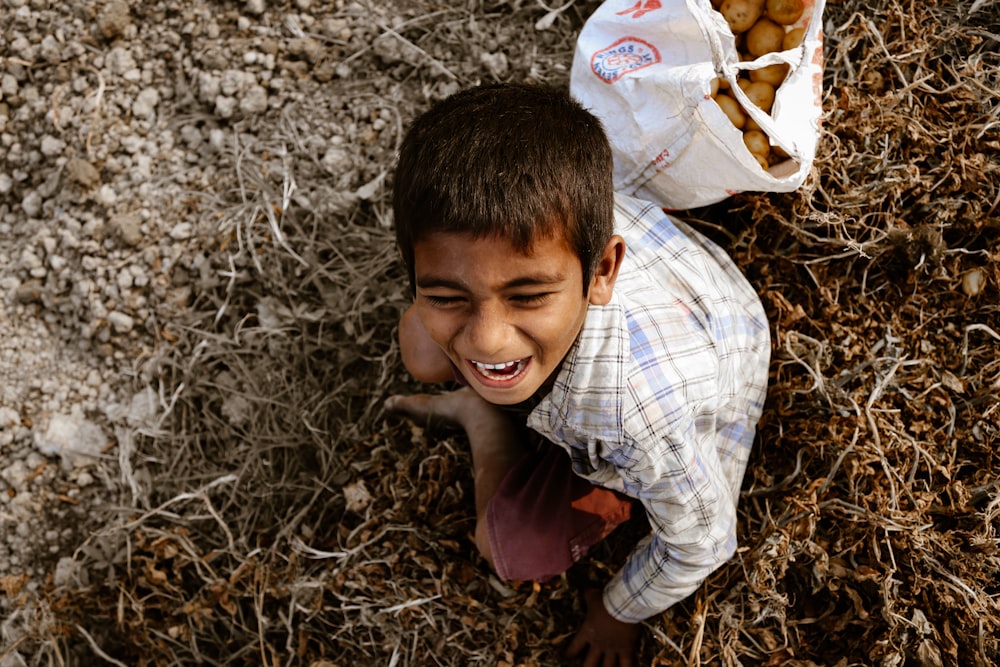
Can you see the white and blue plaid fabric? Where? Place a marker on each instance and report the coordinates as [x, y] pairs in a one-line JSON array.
[[659, 399]]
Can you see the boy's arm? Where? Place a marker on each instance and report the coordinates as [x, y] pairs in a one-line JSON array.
[[693, 522], [657, 577]]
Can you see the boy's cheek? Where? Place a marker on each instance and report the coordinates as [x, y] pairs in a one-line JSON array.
[[418, 332], [436, 324], [422, 356]]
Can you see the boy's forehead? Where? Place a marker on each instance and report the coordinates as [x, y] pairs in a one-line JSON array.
[[444, 240], [442, 251]]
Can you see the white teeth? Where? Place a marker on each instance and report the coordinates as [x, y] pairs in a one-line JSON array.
[[495, 367], [502, 371]]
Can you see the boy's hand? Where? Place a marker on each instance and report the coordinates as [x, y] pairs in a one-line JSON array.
[[603, 641]]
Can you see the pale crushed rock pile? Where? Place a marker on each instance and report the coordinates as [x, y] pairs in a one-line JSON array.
[[114, 122]]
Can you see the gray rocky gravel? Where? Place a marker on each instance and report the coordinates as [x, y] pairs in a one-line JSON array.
[[139, 143], [116, 120]]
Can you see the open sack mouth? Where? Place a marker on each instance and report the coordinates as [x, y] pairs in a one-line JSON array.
[[506, 370]]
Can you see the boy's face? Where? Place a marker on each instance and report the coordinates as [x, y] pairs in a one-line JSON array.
[[505, 318]]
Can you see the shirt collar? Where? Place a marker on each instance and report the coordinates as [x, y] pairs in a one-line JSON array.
[[587, 396]]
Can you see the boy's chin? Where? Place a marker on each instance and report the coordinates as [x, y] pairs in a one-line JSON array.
[[512, 396]]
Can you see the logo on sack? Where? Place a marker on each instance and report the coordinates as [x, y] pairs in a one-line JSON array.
[[626, 55], [662, 160]]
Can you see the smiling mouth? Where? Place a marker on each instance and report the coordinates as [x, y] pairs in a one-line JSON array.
[[502, 372]]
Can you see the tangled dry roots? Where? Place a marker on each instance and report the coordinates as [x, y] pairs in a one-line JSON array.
[[274, 516]]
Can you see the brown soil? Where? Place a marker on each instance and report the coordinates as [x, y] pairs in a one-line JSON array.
[[289, 522]]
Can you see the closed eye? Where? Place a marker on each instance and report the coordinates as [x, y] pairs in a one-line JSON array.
[[531, 299], [442, 301]]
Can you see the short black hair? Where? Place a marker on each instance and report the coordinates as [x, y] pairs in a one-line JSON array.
[[515, 161]]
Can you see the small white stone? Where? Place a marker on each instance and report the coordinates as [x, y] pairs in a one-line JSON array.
[[255, 7], [51, 49], [106, 195], [52, 146], [143, 408], [57, 262], [254, 101], [336, 159], [209, 87], [145, 102], [191, 135], [66, 570], [120, 61], [8, 85], [234, 81], [357, 496], [143, 167], [182, 231], [496, 63], [973, 281], [76, 440], [124, 279], [225, 106], [120, 322], [32, 204], [16, 475], [217, 139], [9, 417]]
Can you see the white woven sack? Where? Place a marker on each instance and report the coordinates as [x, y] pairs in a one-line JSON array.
[[646, 67]]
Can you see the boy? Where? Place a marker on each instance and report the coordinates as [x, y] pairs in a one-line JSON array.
[[631, 348]]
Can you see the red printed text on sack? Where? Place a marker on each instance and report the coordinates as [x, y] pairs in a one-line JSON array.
[[661, 160], [641, 8]]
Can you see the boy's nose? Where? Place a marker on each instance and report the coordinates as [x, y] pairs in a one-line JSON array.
[[488, 332]]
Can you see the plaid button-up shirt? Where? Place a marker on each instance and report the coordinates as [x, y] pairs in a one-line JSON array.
[[659, 399]]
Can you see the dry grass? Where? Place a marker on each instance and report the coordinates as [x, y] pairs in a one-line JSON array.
[[274, 517]]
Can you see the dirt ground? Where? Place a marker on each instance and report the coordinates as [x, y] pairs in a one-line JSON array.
[[272, 514]]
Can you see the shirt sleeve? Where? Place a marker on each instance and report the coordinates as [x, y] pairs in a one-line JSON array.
[[692, 513]]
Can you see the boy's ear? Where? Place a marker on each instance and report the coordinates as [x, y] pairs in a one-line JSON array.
[[602, 284]]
